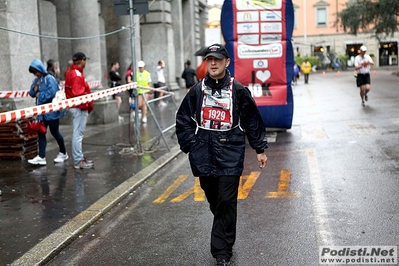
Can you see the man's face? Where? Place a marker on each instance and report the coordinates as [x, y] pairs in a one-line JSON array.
[[217, 67], [81, 63], [141, 69]]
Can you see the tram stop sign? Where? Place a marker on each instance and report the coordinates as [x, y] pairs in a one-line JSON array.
[[121, 7]]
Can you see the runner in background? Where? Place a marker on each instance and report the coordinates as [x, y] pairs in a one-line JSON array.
[[362, 66], [161, 81], [143, 78]]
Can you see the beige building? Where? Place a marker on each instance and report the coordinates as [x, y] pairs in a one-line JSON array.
[[315, 33]]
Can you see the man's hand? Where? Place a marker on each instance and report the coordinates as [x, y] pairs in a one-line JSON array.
[[262, 160]]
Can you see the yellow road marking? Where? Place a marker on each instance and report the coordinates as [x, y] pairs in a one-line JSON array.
[[199, 194], [283, 185], [170, 189], [244, 189], [183, 196]]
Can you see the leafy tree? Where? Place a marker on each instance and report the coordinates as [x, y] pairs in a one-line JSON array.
[[378, 17]]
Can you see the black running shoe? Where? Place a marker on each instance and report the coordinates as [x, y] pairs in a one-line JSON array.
[[222, 262]]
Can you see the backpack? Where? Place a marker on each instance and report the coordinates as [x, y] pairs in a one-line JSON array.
[[60, 94]]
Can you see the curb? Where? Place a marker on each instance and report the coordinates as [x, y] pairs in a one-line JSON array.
[[49, 247]]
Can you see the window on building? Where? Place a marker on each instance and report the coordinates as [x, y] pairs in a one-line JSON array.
[[321, 17], [321, 13]]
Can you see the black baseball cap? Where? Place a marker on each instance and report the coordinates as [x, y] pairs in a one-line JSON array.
[[79, 56], [217, 50]]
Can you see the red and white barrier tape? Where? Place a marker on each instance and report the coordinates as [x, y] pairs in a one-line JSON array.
[[16, 115], [19, 94], [13, 94]]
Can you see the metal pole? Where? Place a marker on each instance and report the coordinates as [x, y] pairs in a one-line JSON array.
[[136, 110]]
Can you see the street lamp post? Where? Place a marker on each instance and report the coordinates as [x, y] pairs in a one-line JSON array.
[[136, 110]]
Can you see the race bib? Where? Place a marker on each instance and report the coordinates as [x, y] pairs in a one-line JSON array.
[[217, 114], [217, 109]]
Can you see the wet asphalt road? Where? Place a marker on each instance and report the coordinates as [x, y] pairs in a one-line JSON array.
[[333, 179]]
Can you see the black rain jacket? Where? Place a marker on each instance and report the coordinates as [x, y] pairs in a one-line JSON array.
[[219, 153]]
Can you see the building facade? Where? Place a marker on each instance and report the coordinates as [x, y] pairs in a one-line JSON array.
[[316, 33], [56, 29]]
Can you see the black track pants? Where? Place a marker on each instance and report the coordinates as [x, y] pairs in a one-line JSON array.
[[221, 193]]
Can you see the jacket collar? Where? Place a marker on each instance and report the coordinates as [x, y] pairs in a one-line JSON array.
[[77, 67]]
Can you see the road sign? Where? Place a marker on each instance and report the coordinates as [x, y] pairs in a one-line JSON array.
[[121, 7]]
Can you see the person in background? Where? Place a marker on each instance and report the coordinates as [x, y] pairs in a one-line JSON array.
[[143, 78], [53, 70], [213, 122], [76, 85], [129, 78], [115, 81], [189, 75], [296, 74], [161, 80], [362, 66], [44, 88], [306, 67], [70, 63], [201, 70]]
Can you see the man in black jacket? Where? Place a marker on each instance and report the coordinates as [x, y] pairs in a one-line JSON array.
[[211, 125], [189, 75], [115, 81]]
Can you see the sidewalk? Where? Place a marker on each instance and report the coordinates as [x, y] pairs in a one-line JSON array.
[[45, 207]]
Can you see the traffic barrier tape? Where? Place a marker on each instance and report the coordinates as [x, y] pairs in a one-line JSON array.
[[15, 115], [13, 94], [20, 94]]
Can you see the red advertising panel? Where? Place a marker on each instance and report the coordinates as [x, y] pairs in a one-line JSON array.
[[258, 34]]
